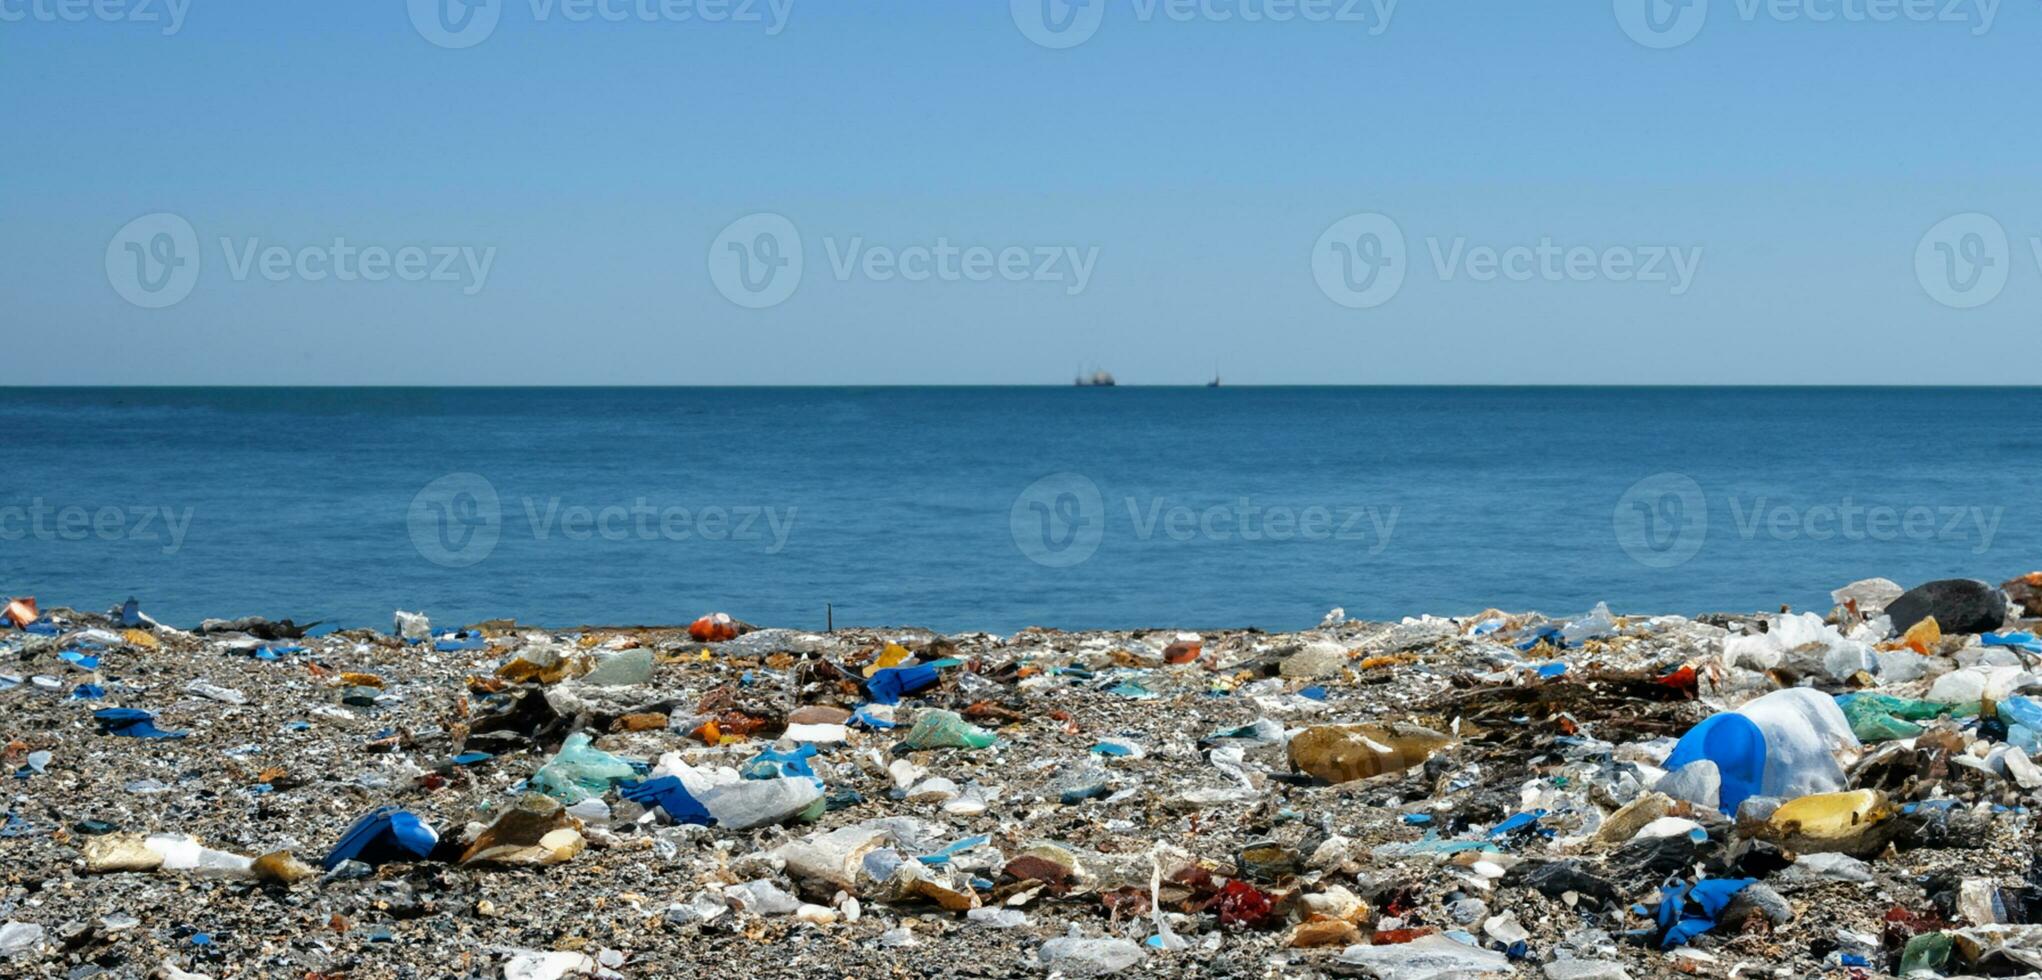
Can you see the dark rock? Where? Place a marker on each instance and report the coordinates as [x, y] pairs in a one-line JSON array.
[[1758, 900], [256, 626], [1556, 878], [1960, 605]]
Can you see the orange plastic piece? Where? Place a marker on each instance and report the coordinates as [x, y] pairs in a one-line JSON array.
[[1924, 637], [713, 628], [21, 612]]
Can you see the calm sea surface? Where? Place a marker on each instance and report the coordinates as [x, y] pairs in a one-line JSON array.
[[999, 508]]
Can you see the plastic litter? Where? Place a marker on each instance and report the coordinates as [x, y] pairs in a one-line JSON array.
[[130, 723], [383, 835], [580, 771], [938, 729]]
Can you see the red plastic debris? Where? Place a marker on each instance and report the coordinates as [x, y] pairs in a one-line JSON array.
[[1242, 904]]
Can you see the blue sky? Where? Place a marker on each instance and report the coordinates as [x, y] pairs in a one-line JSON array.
[[1165, 189]]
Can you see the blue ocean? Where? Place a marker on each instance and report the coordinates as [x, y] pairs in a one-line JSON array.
[[1001, 508]]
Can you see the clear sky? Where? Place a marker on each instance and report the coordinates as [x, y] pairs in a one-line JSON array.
[[1752, 194]]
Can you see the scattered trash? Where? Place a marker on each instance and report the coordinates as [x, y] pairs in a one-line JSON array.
[[1590, 797]]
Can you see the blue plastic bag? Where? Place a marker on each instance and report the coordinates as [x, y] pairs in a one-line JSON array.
[[383, 835], [890, 685], [130, 723], [1737, 747]]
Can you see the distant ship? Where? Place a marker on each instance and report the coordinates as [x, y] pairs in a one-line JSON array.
[[1097, 379], [1215, 382]]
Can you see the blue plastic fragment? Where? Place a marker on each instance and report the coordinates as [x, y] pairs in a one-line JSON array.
[[79, 660], [1417, 819], [130, 723], [460, 640], [1552, 670], [87, 692], [890, 685], [1516, 823], [2022, 641], [131, 613], [1678, 923], [1548, 634], [943, 856], [1115, 749], [871, 719], [668, 794], [1737, 747], [773, 764], [383, 835], [471, 758], [1315, 692]]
